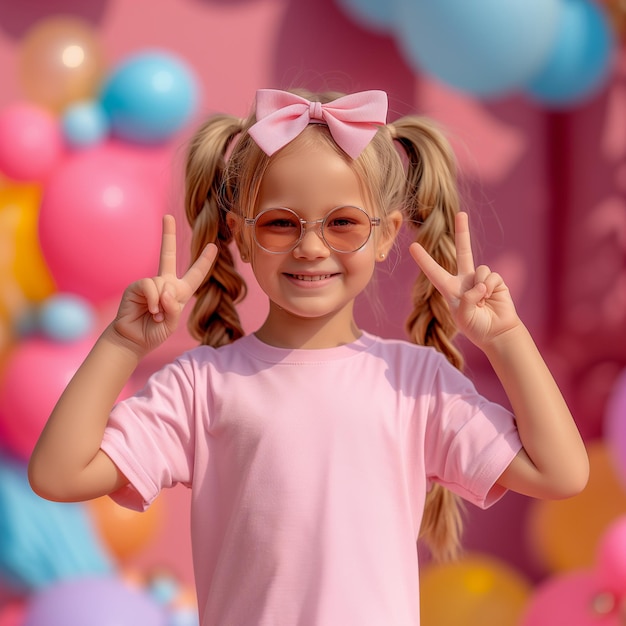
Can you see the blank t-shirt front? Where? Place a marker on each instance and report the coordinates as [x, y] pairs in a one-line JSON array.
[[309, 470]]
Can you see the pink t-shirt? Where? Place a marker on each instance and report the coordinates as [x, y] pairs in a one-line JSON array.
[[309, 470]]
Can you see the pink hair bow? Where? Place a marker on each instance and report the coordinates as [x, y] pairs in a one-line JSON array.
[[352, 119]]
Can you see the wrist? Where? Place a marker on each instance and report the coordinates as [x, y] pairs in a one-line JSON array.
[[508, 341], [128, 348]]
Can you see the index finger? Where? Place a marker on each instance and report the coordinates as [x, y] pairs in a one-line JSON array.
[[167, 257], [436, 274], [196, 274], [463, 244]]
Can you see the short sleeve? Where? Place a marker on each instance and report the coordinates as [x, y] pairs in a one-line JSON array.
[[470, 441], [150, 436]]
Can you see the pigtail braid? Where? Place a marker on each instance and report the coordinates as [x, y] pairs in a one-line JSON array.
[[431, 204], [213, 319]]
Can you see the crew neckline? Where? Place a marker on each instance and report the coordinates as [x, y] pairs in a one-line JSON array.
[[272, 354]]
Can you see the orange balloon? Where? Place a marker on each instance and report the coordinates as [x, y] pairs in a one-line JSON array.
[[565, 533], [60, 62], [123, 531], [476, 589], [616, 11], [23, 263]]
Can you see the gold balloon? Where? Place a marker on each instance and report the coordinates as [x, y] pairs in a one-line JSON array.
[[123, 531], [60, 62], [564, 534], [477, 589], [22, 265]]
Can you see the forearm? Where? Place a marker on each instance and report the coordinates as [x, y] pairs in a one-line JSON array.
[[556, 464], [73, 434]]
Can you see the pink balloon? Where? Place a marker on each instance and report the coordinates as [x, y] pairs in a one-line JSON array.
[[31, 142], [100, 221], [611, 556], [575, 599], [32, 380], [13, 613], [615, 424]]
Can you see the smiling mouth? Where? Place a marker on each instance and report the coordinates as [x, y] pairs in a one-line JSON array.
[[311, 278]]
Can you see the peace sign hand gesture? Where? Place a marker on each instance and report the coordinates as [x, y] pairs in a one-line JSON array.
[[150, 309], [478, 298]]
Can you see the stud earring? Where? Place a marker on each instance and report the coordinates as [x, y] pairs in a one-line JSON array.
[[382, 255]]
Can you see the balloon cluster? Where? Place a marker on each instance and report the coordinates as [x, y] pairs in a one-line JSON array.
[[84, 157], [558, 52]]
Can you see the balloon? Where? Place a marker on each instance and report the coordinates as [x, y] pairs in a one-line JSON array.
[[123, 531], [34, 375], [574, 599], [149, 96], [85, 124], [565, 533], [42, 542], [615, 424], [60, 62], [19, 215], [31, 143], [580, 58], [23, 270], [476, 589], [66, 317], [93, 601], [617, 16], [100, 223], [376, 15], [611, 556], [12, 613], [485, 47]]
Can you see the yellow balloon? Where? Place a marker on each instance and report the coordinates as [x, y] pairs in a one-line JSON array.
[[22, 256], [564, 534], [123, 531], [476, 589], [60, 62]]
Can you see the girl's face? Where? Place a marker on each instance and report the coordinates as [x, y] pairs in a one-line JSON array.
[[312, 288]]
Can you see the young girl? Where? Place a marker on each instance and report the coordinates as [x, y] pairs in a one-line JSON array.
[[315, 451]]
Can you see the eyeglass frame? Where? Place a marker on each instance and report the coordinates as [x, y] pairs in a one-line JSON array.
[[251, 221]]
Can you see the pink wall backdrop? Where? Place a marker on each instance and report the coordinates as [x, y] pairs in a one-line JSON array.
[[546, 190]]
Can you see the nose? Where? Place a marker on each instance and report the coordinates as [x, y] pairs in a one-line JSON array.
[[312, 246]]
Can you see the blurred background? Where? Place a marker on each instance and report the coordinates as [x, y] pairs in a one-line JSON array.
[[98, 99]]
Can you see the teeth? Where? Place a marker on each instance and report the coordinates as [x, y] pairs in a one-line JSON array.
[[311, 278]]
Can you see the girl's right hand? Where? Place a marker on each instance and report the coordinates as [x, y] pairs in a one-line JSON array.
[[150, 309]]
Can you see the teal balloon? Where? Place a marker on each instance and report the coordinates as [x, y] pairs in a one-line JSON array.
[[580, 60], [42, 542], [488, 48], [85, 124], [66, 317], [149, 97]]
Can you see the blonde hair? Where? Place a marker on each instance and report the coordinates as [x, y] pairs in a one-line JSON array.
[[224, 171]]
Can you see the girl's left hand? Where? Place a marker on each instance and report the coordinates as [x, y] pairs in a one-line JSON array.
[[478, 298]]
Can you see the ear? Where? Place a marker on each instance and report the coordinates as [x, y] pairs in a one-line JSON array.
[[394, 223], [235, 224]]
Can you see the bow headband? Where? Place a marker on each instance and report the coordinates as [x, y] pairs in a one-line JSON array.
[[352, 120]]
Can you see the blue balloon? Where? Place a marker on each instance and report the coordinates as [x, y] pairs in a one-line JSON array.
[[42, 542], [149, 97], [66, 317], [488, 48], [85, 124], [376, 15], [580, 59]]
